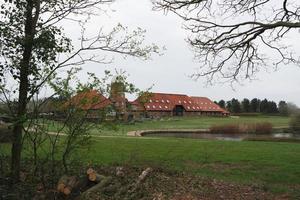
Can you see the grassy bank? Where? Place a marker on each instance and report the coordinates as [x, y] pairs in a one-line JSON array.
[[272, 165], [184, 123]]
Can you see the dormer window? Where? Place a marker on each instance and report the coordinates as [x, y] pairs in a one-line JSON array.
[[162, 101], [150, 100], [166, 107], [153, 106], [168, 101]]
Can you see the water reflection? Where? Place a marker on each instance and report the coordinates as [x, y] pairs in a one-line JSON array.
[[227, 137]]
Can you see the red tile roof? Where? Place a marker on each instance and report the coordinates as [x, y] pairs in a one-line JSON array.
[[89, 100], [167, 102]]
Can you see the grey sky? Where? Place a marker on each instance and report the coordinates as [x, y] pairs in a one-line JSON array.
[[169, 73]]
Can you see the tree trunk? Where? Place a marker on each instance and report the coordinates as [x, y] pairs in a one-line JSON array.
[[30, 23]]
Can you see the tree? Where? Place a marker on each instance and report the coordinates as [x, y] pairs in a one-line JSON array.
[[246, 105], [282, 108], [229, 106], [254, 105], [272, 107], [293, 109], [264, 106], [33, 47], [236, 106], [234, 39], [221, 103]]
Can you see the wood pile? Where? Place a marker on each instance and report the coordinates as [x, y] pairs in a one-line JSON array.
[[91, 185]]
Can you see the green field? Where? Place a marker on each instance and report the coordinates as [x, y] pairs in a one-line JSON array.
[[189, 123], [274, 166], [268, 164]]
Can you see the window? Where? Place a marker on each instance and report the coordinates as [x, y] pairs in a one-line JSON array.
[[184, 101], [166, 106], [156, 101], [159, 106], [179, 101], [190, 102], [168, 101], [193, 107], [153, 106], [197, 107], [150, 100], [162, 101], [148, 106], [188, 107]]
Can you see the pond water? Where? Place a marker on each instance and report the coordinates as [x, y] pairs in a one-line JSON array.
[[229, 137]]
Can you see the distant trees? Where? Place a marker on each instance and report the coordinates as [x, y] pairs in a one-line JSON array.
[[221, 103], [256, 105], [283, 108], [245, 105], [235, 106]]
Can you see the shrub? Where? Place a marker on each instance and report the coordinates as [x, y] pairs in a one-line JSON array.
[[263, 128], [258, 128], [225, 129], [295, 123]]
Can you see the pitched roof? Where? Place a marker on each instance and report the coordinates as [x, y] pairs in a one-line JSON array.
[[89, 100], [167, 102]]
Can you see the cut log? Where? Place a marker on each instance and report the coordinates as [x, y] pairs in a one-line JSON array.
[[73, 182], [89, 171], [95, 177], [120, 171], [94, 191], [143, 175], [62, 183]]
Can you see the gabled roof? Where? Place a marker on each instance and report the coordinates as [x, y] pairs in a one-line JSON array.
[[205, 104], [167, 102], [89, 100]]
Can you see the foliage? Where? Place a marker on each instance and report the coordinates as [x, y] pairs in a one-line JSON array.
[[295, 123], [245, 105], [255, 128], [34, 47], [283, 108]]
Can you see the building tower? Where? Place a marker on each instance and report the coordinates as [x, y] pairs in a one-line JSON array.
[[117, 96]]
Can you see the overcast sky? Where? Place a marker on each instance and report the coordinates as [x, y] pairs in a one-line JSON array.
[[170, 73]]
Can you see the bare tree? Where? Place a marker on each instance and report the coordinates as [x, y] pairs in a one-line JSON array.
[[33, 47], [234, 39]]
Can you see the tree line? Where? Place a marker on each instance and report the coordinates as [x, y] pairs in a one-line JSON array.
[[256, 105]]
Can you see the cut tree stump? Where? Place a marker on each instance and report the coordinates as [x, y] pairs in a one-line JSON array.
[[95, 191], [71, 184], [143, 175], [95, 177], [62, 183]]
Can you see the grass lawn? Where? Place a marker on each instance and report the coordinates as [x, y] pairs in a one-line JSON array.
[[191, 123], [275, 166]]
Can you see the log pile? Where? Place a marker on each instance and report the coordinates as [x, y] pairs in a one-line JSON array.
[[91, 185]]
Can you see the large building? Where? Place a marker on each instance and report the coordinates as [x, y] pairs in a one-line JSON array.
[[162, 104], [153, 105]]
